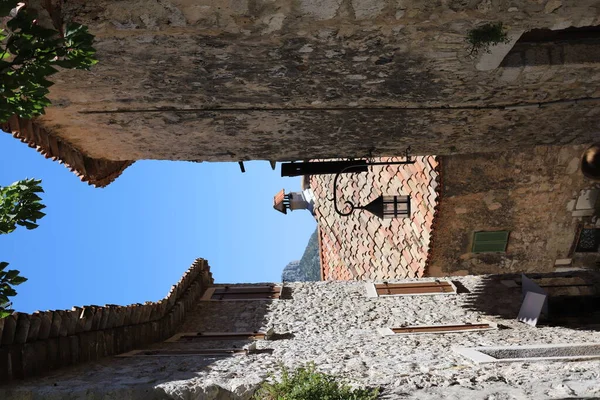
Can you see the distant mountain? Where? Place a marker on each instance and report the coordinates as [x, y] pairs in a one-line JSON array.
[[291, 272], [309, 266]]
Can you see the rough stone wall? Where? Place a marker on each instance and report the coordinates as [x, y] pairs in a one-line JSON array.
[[528, 193], [34, 344], [333, 324], [295, 79]]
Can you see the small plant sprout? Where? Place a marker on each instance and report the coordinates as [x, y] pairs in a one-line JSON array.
[[306, 383], [486, 35]]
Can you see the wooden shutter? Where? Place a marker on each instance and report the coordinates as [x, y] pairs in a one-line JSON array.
[[414, 288], [442, 328], [234, 293], [489, 242], [212, 336]]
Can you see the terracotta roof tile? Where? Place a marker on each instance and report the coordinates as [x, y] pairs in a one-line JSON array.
[[94, 171], [363, 246]]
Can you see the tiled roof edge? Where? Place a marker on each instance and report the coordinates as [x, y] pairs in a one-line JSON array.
[[32, 344], [95, 171], [439, 191]]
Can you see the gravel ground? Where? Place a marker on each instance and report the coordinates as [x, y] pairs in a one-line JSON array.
[[334, 325]]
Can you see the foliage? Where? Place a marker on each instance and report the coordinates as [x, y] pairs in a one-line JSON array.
[[8, 279], [305, 383], [28, 54], [20, 205], [485, 36]]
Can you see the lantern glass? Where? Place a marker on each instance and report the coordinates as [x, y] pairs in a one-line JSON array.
[[396, 206], [390, 206]]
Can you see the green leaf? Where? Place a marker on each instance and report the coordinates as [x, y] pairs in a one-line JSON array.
[[29, 225], [5, 313], [3, 265], [18, 280], [13, 273]]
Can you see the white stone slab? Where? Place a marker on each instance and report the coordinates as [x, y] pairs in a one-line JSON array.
[[371, 291], [587, 199], [531, 308], [476, 353], [385, 332], [528, 285], [582, 213]]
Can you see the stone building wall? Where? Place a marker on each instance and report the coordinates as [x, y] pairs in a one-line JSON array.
[[529, 193], [35, 344], [334, 325], [297, 79]]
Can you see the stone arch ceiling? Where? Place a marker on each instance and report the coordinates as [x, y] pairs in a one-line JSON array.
[[209, 80]]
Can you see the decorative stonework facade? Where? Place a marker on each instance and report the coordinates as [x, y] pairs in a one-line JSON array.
[[363, 246], [537, 197]]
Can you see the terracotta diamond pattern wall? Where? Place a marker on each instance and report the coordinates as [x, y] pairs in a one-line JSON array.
[[365, 247]]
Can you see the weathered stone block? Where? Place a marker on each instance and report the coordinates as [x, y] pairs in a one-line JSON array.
[[10, 328], [88, 318], [34, 327], [72, 318], [97, 319], [16, 361], [119, 340], [45, 325], [56, 322], [80, 319], [105, 318], [5, 365], [100, 344], [112, 317], [22, 329], [64, 357], [364, 9], [64, 323], [34, 358], [127, 339], [91, 341], [319, 9], [109, 342]]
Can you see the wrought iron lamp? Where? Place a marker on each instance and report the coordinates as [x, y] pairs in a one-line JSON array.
[[384, 206]]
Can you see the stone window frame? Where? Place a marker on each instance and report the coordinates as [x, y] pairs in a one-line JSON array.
[[250, 349], [373, 292], [210, 293], [478, 355], [258, 335], [438, 329]]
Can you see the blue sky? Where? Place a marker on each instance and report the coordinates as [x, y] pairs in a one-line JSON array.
[[129, 242]]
